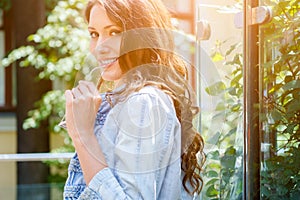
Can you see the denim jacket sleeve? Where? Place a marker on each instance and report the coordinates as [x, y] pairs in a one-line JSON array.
[[141, 143]]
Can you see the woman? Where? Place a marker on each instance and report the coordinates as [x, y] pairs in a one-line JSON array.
[[137, 141]]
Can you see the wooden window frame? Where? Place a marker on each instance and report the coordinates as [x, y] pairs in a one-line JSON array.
[[8, 71], [190, 18], [186, 16]]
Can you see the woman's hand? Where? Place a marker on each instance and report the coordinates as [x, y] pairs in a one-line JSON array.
[[82, 104]]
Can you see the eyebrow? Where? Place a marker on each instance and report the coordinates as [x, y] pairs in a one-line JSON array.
[[106, 27]]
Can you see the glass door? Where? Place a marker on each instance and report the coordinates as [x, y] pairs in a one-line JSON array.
[[248, 58], [271, 99], [220, 65], [279, 95]]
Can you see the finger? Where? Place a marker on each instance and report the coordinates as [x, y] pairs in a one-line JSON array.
[[69, 98], [84, 89], [91, 87], [69, 117], [76, 93], [69, 102]]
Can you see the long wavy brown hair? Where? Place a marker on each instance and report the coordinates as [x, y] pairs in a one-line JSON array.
[[147, 52]]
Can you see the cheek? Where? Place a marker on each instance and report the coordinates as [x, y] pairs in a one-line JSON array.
[[118, 68], [92, 46], [118, 71]]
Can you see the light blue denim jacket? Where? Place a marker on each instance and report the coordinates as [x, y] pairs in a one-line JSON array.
[[140, 139]]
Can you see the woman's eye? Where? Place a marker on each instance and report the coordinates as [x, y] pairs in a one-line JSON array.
[[94, 34], [114, 32]]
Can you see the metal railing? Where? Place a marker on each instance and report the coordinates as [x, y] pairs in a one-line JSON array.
[[34, 156]]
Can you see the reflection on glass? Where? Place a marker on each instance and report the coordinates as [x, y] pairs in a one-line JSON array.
[[221, 66], [280, 97]]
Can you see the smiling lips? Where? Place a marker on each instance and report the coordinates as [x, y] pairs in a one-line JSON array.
[[107, 62]]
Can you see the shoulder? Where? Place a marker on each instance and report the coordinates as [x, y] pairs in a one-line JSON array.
[[151, 94], [151, 90], [145, 105]]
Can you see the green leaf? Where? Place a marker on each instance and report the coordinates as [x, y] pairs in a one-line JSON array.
[[214, 155], [235, 61], [5, 4], [290, 129], [295, 84], [265, 191], [230, 150], [236, 79], [276, 115], [229, 158], [288, 79], [232, 91], [212, 173], [275, 88], [232, 47], [214, 139], [220, 106], [216, 89], [212, 181], [283, 4], [231, 132], [293, 106], [236, 107], [217, 57], [211, 191], [214, 165]]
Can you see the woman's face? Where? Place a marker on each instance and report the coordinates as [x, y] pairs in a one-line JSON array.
[[105, 42]]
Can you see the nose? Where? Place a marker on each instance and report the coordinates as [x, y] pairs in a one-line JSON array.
[[102, 47]]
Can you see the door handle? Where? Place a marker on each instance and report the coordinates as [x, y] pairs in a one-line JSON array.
[[203, 30], [259, 15]]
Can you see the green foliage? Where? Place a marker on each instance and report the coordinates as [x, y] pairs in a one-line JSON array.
[[5, 4], [281, 107], [50, 108], [279, 113], [50, 5], [58, 50], [281, 176], [224, 171]]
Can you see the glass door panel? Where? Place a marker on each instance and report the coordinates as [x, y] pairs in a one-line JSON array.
[[280, 101], [220, 65]]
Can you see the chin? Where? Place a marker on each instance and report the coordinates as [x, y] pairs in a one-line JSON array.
[[107, 77]]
